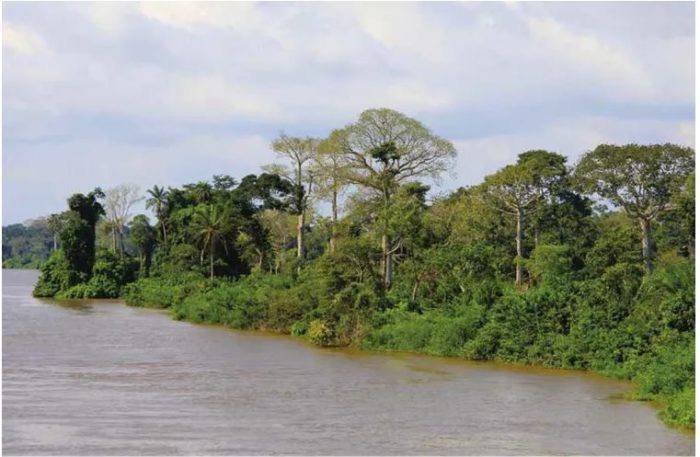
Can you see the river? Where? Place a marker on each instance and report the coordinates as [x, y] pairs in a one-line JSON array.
[[102, 378]]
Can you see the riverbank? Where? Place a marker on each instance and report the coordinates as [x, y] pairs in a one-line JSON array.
[[663, 374]]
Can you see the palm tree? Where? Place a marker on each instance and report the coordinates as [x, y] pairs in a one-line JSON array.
[[158, 201], [209, 224]]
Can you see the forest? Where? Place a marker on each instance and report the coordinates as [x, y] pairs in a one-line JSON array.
[[29, 244], [587, 265]]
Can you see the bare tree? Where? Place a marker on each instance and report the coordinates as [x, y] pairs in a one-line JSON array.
[[329, 169], [299, 152], [117, 203]]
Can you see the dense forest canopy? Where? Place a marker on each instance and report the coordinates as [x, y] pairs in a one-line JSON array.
[[26, 245], [587, 265]]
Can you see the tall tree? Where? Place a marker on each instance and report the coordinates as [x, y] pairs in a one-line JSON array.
[[117, 204], [385, 149], [209, 224], [55, 222], [143, 236], [78, 232], [299, 152], [158, 202], [279, 229], [641, 179], [329, 169], [518, 189]]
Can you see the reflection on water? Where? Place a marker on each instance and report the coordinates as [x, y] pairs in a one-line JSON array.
[[102, 378]]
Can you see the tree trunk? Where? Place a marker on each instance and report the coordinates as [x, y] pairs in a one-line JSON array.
[[55, 241], [647, 247], [300, 235], [387, 266], [114, 239], [519, 247], [691, 248], [416, 284], [165, 239], [211, 261], [334, 219]]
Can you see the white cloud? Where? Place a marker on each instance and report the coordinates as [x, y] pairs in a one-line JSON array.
[[108, 16], [159, 82], [415, 97], [403, 27], [22, 39], [189, 15], [571, 137], [585, 51], [213, 98], [29, 172]]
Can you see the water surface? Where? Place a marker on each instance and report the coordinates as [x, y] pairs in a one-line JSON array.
[[102, 378]]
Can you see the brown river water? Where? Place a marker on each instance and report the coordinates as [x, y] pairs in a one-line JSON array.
[[102, 378]]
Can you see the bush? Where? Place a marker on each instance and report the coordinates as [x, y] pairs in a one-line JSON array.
[[319, 333], [299, 328], [681, 408], [56, 275]]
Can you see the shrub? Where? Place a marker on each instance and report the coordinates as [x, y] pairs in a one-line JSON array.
[[319, 333], [56, 275], [681, 408]]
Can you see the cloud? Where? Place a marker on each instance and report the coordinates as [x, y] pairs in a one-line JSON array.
[[479, 157], [65, 167], [171, 92], [214, 98], [111, 17], [21, 39], [585, 51], [190, 15], [404, 28]]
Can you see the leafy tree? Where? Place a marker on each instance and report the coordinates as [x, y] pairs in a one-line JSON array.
[[55, 223], [300, 152], [329, 170], [78, 233], [143, 236], [26, 245], [518, 189], [677, 225], [56, 275], [640, 179], [279, 228], [384, 149]]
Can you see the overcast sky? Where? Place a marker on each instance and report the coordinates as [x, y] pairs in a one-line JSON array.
[[170, 93]]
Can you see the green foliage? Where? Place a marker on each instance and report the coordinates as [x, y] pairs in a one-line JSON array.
[[405, 274], [78, 232], [431, 333], [26, 246], [549, 262], [109, 275], [320, 333], [143, 236], [56, 275], [680, 409]]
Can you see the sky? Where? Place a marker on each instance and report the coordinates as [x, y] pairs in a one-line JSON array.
[[101, 94]]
